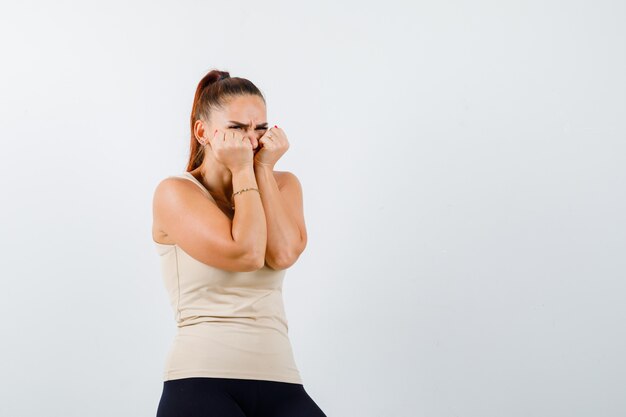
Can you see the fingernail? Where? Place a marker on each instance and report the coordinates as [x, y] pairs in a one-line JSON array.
[[275, 126]]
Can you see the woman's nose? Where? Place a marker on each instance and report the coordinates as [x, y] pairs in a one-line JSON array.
[[253, 139]]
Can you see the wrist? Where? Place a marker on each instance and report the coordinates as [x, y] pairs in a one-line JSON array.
[[258, 166], [241, 169]]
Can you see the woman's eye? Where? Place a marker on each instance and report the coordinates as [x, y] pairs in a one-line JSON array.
[[239, 127]]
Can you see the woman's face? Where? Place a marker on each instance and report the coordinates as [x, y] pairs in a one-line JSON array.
[[244, 114]]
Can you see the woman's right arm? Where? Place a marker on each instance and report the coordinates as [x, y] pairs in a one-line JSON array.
[[249, 226], [196, 224]]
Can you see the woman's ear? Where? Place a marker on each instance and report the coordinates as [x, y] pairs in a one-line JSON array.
[[200, 129]]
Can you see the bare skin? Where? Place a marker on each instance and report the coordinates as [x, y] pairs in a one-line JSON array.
[[281, 191]]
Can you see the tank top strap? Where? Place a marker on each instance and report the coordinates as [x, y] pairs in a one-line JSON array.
[[189, 176]]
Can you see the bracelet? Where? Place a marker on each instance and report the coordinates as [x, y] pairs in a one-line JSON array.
[[241, 191]]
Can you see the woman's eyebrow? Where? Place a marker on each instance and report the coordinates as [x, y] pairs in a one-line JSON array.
[[243, 124]]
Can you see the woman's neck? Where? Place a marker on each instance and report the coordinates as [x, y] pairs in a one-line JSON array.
[[217, 179]]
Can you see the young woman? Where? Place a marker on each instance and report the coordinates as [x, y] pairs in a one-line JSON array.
[[226, 231]]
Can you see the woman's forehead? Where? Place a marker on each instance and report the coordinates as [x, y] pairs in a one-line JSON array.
[[244, 112]]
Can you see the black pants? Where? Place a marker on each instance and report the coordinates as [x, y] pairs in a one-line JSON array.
[[230, 397]]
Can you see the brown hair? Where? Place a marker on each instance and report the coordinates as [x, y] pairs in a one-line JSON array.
[[214, 91]]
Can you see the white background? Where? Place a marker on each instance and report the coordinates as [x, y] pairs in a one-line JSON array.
[[463, 174]]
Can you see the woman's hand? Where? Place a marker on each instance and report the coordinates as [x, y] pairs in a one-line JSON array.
[[273, 145], [232, 149]]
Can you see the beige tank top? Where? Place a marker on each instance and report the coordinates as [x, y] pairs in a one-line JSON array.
[[229, 324]]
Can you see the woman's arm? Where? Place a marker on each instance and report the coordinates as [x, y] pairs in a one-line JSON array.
[[286, 231]]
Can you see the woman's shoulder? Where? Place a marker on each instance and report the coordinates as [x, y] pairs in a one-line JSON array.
[[178, 186], [284, 177]]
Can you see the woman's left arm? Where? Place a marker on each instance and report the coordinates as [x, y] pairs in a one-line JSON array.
[[282, 203]]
